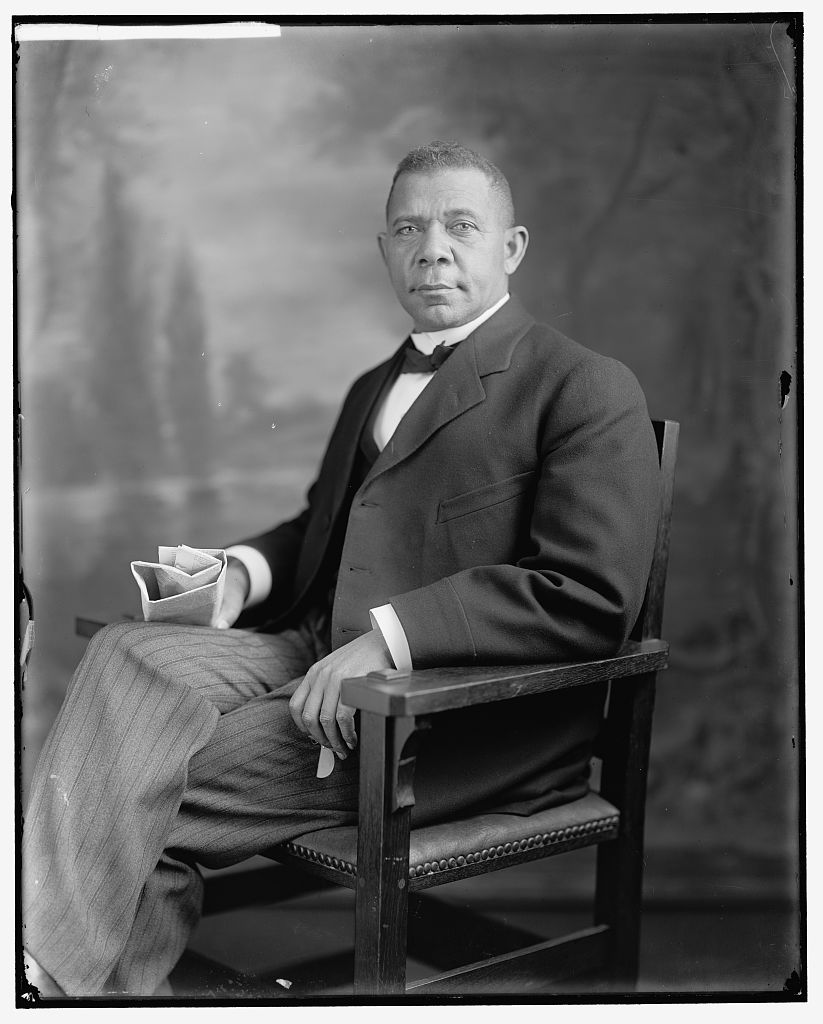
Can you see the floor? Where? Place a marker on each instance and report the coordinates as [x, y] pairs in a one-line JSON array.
[[302, 949]]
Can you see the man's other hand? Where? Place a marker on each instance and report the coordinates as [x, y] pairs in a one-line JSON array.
[[235, 592], [315, 705]]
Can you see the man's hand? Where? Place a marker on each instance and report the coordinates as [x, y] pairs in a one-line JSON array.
[[235, 592], [315, 705]]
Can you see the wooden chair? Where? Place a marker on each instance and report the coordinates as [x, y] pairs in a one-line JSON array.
[[384, 861]]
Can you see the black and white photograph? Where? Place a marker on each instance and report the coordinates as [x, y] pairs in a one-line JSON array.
[[408, 535]]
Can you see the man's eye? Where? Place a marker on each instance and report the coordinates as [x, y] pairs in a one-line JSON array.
[[463, 226], [405, 229]]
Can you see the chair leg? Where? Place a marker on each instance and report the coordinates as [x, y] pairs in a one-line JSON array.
[[619, 885], [381, 901], [620, 862]]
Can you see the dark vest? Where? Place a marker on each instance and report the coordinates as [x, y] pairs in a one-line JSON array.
[[321, 594]]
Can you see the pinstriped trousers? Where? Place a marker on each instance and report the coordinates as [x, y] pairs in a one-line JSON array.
[[174, 747]]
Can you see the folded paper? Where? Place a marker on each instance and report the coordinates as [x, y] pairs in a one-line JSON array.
[[325, 763], [184, 585]]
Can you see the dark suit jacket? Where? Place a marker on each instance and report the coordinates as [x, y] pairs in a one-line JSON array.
[[511, 517]]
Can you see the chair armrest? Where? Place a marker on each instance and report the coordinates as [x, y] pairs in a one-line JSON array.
[[391, 693]]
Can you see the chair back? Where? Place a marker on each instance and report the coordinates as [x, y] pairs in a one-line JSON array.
[[627, 718], [650, 621]]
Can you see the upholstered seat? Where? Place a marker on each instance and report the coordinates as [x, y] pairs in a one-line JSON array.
[[457, 849]]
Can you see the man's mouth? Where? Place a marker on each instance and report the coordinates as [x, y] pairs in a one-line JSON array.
[[433, 288]]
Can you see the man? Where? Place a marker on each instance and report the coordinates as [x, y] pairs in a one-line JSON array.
[[495, 502]]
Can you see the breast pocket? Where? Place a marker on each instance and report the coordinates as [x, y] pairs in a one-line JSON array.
[[485, 497]]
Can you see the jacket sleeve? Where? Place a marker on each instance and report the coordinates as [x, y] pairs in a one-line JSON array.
[[579, 586]]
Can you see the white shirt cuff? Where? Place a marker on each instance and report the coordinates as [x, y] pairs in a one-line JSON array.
[[258, 569], [385, 619]]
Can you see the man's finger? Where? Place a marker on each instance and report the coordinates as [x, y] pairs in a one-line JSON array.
[[345, 723], [297, 702], [328, 719], [310, 714]]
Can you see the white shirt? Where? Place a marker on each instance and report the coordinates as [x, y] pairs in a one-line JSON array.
[[404, 392]]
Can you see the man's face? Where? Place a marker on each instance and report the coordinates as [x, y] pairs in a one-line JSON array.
[[447, 250]]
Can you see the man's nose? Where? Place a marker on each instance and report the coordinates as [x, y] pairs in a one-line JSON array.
[[435, 247]]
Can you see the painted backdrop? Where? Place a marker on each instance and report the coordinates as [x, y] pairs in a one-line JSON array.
[[198, 282]]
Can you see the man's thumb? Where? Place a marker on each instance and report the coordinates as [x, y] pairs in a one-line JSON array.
[[229, 610]]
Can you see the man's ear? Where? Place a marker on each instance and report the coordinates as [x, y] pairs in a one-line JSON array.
[[381, 245], [516, 241]]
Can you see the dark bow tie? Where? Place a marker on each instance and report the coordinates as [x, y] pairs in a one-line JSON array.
[[415, 361]]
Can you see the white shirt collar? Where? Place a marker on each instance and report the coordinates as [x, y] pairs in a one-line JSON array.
[[427, 341]]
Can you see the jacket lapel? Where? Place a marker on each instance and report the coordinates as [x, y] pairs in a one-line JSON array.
[[457, 386], [353, 418]]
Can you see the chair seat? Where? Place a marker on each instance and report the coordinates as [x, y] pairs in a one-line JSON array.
[[457, 849]]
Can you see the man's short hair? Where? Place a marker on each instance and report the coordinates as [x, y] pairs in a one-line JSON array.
[[440, 156]]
